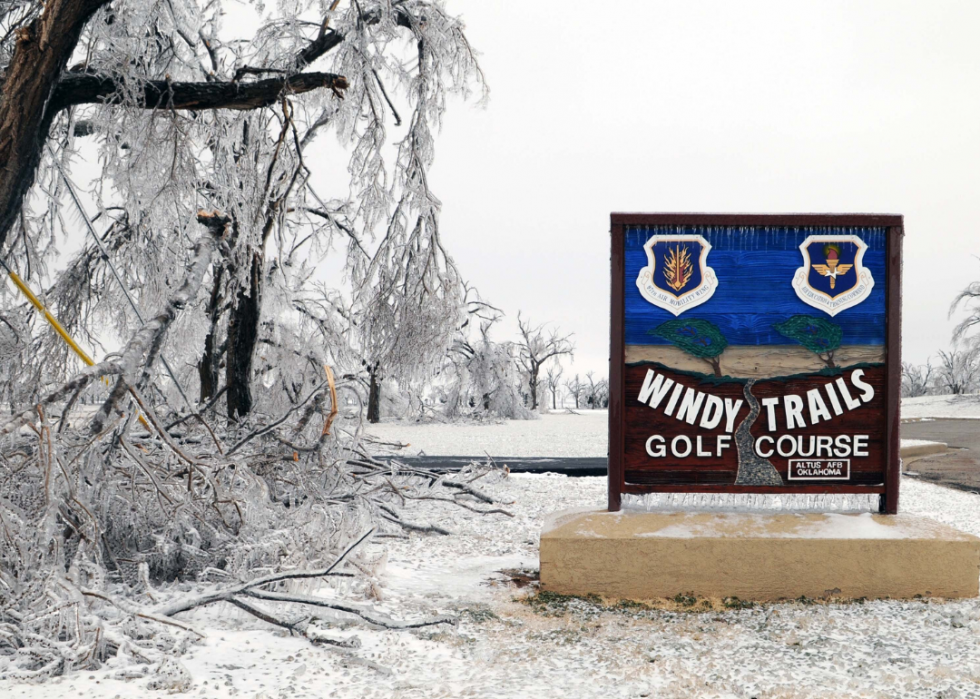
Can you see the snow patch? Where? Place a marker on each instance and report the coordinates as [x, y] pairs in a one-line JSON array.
[[947, 406], [583, 434]]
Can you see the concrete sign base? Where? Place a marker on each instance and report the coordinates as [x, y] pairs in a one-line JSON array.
[[649, 555]]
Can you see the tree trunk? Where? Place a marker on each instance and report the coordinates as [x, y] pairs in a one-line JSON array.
[[207, 367], [40, 56], [532, 383], [374, 399], [243, 335], [829, 360]]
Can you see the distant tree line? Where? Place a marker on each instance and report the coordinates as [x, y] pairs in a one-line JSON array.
[[956, 371], [482, 377]]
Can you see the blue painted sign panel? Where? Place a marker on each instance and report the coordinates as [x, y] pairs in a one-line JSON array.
[[755, 270]]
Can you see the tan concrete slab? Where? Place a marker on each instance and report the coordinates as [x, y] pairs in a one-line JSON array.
[[648, 555]]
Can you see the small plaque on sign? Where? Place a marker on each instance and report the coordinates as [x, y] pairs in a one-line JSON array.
[[819, 469]]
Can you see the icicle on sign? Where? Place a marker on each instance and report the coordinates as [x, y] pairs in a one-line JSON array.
[[755, 354]]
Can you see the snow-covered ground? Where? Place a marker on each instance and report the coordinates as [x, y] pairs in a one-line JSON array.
[[504, 648], [962, 406], [583, 433], [918, 442]]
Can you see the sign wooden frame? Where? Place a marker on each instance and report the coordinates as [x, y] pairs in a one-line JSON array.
[[621, 222]]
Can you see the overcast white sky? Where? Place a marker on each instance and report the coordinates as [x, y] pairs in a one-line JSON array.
[[642, 105], [709, 106]]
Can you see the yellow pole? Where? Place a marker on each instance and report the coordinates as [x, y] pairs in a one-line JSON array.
[[58, 327], [19, 283]]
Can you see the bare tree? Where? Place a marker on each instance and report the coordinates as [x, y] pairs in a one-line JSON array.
[[602, 393], [575, 389], [916, 379], [536, 347], [596, 391], [553, 378], [958, 370]]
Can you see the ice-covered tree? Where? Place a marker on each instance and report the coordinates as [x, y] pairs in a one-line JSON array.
[[968, 300], [575, 389], [553, 380], [596, 391], [483, 375], [537, 347], [206, 208], [958, 370], [188, 117], [916, 379]]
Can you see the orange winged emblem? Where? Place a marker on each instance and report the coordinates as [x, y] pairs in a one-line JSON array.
[[678, 268]]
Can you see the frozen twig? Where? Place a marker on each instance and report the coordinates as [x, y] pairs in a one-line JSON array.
[[224, 595]]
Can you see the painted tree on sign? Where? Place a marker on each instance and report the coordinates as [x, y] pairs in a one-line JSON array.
[[818, 335], [699, 338]]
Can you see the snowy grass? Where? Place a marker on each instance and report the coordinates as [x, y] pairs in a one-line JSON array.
[[962, 406], [503, 647], [583, 434]]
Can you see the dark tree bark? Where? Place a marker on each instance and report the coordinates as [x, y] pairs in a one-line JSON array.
[[532, 383], [207, 367], [374, 397], [715, 363], [86, 88], [243, 335]]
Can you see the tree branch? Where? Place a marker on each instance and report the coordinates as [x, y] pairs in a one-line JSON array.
[[329, 39], [40, 55], [87, 88]]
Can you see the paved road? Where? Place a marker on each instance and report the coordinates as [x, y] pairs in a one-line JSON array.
[[958, 468], [571, 466]]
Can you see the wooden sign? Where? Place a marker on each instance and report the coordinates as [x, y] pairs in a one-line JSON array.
[[755, 354]]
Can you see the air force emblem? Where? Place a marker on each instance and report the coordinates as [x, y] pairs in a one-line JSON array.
[[677, 276], [832, 278]]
